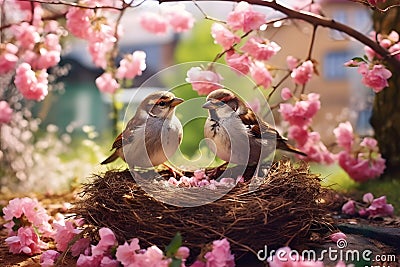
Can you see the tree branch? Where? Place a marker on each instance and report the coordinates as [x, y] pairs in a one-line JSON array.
[[317, 20]]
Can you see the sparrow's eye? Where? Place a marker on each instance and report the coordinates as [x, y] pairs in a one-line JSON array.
[[162, 103]]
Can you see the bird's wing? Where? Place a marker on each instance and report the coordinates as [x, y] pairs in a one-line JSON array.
[[117, 142], [257, 127], [127, 136]]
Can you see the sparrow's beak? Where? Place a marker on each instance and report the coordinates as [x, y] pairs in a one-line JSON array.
[[210, 105], [176, 101]]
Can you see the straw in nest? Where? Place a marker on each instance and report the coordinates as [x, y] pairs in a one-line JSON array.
[[283, 210]]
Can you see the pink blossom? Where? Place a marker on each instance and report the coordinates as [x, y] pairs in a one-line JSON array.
[[5, 112], [299, 134], [99, 50], [48, 258], [178, 18], [286, 94], [260, 74], [337, 236], [31, 84], [48, 54], [349, 207], [173, 181], [132, 65], [199, 174], [239, 63], [223, 36], [107, 240], [80, 246], [26, 241], [292, 62], [341, 264], [344, 135], [260, 49], [302, 112], [89, 261], [375, 78], [198, 264], [79, 21], [316, 150], [303, 73], [361, 169], [182, 253], [220, 255], [227, 181], [285, 258], [8, 57], [154, 23], [153, 257], [27, 35], [243, 17], [64, 234], [106, 83], [31, 209], [126, 253], [379, 208], [368, 198], [203, 81], [370, 143], [108, 262]]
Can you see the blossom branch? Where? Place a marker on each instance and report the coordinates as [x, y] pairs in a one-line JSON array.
[[317, 20]]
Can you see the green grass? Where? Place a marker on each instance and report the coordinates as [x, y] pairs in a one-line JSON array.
[[334, 177]]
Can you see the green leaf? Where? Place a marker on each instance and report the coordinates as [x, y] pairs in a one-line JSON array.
[[175, 263], [359, 59], [173, 247], [17, 224]]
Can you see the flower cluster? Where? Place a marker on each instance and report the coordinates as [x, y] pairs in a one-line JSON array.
[[172, 16], [361, 160], [374, 74], [299, 116], [203, 80], [36, 45], [249, 58], [200, 179], [27, 221], [371, 207], [102, 34]]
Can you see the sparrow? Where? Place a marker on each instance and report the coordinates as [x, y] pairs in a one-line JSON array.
[[152, 135], [236, 134]]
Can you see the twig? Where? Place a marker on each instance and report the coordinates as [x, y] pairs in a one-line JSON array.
[[317, 20]]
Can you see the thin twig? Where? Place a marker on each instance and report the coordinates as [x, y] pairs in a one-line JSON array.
[[317, 20]]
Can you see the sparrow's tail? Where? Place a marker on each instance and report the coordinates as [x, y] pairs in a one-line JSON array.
[[283, 145], [111, 158]]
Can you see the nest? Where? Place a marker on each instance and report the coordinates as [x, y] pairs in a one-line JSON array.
[[285, 209]]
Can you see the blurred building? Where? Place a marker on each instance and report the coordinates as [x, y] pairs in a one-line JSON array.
[[342, 93]]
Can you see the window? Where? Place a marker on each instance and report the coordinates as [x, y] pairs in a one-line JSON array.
[[333, 68]]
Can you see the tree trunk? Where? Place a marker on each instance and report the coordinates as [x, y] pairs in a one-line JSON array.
[[386, 110]]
